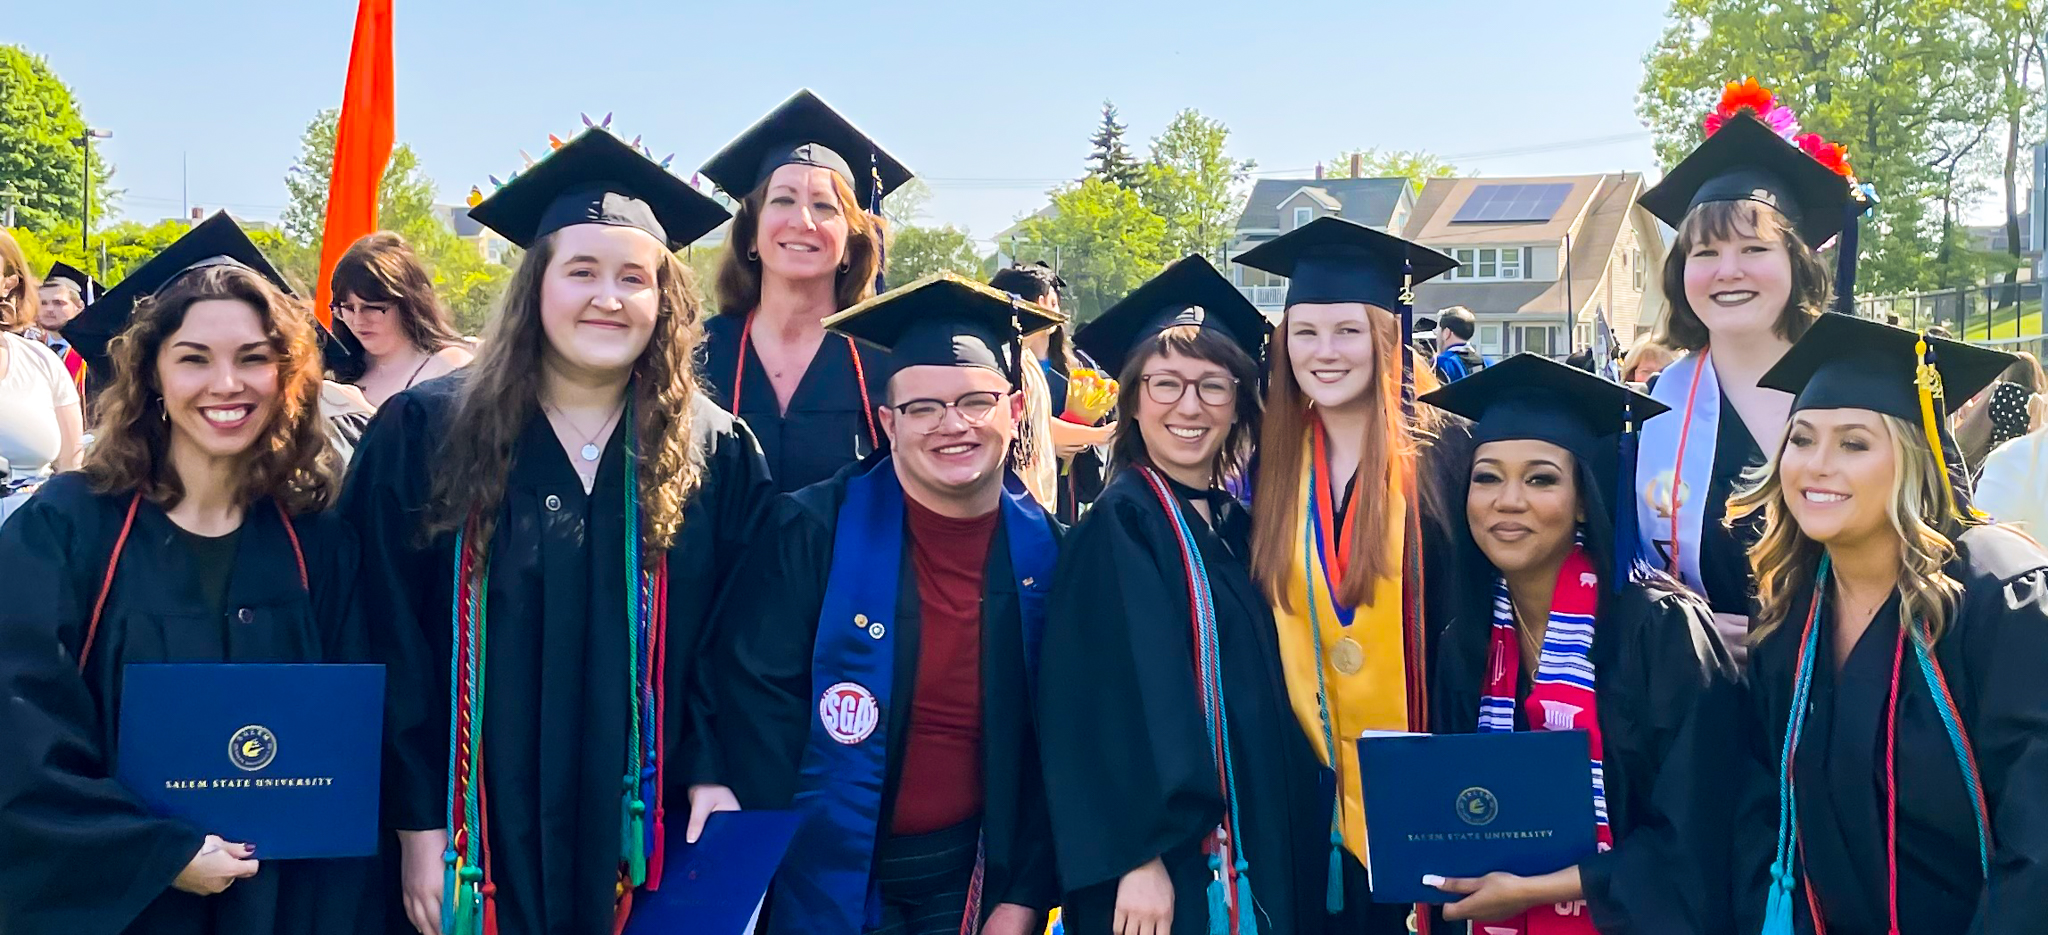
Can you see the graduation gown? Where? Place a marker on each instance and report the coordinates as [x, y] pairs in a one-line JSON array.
[[1670, 707], [824, 428], [1724, 553], [1128, 763], [1992, 655], [764, 706], [557, 699], [79, 854]]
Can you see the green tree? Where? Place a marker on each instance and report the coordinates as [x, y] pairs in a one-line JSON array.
[[41, 165], [123, 246], [1194, 185], [1415, 165], [1901, 84], [1111, 159], [1106, 239], [2012, 34], [916, 252]]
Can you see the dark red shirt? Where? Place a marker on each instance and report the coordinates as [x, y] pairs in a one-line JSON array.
[[940, 785]]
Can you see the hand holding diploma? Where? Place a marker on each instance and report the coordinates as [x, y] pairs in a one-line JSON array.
[[1498, 896], [216, 867]]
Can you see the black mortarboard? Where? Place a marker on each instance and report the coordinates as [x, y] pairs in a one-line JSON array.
[[216, 241], [805, 131], [596, 179], [1531, 396], [1845, 362], [1331, 259], [1189, 292], [89, 289], [1747, 161], [944, 320]]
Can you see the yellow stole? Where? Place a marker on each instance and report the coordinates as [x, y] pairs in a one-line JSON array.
[[1375, 697]]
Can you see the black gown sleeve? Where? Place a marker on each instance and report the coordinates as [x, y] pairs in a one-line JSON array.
[[2003, 624], [79, 854], [399, 580], [1129, 773], [768, 624], [1669, 873]]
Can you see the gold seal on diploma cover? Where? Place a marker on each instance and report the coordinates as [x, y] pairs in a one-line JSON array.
[[1348, 657]]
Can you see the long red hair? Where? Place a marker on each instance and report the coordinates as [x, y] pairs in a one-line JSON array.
[[1386, 465]]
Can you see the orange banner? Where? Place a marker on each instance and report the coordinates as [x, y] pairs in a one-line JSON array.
[[362, 144]]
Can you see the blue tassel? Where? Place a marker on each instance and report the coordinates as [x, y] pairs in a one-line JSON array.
[[1845, 258], [1247, 909], [1334, 901], [1778, 904], [1219, 900], [636, 853], [1628, 543], [448, 887]]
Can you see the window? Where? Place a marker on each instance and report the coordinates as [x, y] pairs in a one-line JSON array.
[[1495, 263], [1489, 338], [1534, 338], [1303, 216]]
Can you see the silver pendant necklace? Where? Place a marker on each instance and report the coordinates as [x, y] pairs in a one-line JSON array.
[[590, 451]]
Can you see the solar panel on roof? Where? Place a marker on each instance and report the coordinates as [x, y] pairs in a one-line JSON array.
[[1512, 203]]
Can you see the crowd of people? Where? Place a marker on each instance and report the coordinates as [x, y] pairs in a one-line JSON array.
[[1018, 616]]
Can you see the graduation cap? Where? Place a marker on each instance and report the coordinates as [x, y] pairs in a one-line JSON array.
[[1331, 259], [1845, 362], [805, 131], [1529, 396], [89, 289], [1748, 161], [944, 320], [216, 241], [596, 179], [1189, 292]]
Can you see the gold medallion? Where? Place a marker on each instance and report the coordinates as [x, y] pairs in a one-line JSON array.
[[1348, 657]]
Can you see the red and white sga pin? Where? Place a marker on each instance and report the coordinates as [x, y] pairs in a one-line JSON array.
[[849, 712]]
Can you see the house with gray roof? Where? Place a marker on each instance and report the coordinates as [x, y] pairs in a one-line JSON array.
[[1277, 206]]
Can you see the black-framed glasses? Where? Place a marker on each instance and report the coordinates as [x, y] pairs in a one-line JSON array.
[[923, 416], [1166, 389], [339, 307]]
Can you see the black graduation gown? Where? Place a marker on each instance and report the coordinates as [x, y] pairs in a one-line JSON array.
[[1992, 655], [1671, 712], [556, 697], [762, 715], [824, 428], [1724, 552], [1128, 763], [79, 855]]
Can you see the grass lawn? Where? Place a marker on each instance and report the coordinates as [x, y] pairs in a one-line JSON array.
[[2002, 323]]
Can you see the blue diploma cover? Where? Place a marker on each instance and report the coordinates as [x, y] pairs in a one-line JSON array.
[[285, 757], [714, 886], [1465, 805]]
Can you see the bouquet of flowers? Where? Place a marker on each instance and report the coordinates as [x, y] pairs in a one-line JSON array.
[[1090, 395]]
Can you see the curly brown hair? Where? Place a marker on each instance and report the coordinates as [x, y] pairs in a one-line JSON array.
[[501, 394], [292, 461], [1721, 220], [739, 274], [382, 268]]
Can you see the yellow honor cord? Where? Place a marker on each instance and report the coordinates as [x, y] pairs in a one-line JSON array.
[[1927, 379]]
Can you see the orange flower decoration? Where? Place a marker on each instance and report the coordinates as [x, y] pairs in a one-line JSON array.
[[1832, 155], [1748, 95]]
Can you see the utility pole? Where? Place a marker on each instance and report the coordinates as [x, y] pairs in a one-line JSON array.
[[85, 215]]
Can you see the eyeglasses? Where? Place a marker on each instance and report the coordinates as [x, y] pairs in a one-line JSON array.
[[1167, 389], [340, 308], [923, 416]]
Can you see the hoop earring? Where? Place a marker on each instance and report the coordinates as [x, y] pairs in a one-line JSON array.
[[163, 412], [753, 256], [846, 267]]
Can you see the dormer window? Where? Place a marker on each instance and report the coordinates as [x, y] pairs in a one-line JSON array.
[[1303, 215]]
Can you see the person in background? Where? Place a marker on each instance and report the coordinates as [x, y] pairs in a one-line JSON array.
[[1645, 361], [1456, 358], [934, 545], [64, 293], [806, 242], [2012, 487], [40, 420], [2000, 413], [207, 488], [1076, 446], [382, 293], [1896, 663]]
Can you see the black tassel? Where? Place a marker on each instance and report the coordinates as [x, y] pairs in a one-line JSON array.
[[1845, 256]]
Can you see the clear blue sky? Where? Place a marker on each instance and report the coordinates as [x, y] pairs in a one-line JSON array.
[[992, 103]]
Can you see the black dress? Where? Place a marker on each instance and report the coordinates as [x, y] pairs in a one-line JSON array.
[[78, 853], [556, 702], [764, 708], [1992, 655], [1671, 711], [824, 428], [1129, 769]]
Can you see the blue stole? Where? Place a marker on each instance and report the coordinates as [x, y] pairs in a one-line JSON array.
[[825, 886], [1695, 422]]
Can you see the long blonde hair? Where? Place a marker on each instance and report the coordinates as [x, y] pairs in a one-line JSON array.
[[1922, 514], [1385, 460], [501, 394]]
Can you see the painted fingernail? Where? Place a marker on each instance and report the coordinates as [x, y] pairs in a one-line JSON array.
[[1431, 879]]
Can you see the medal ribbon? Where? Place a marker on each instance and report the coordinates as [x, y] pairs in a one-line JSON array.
[[1333, 546]]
